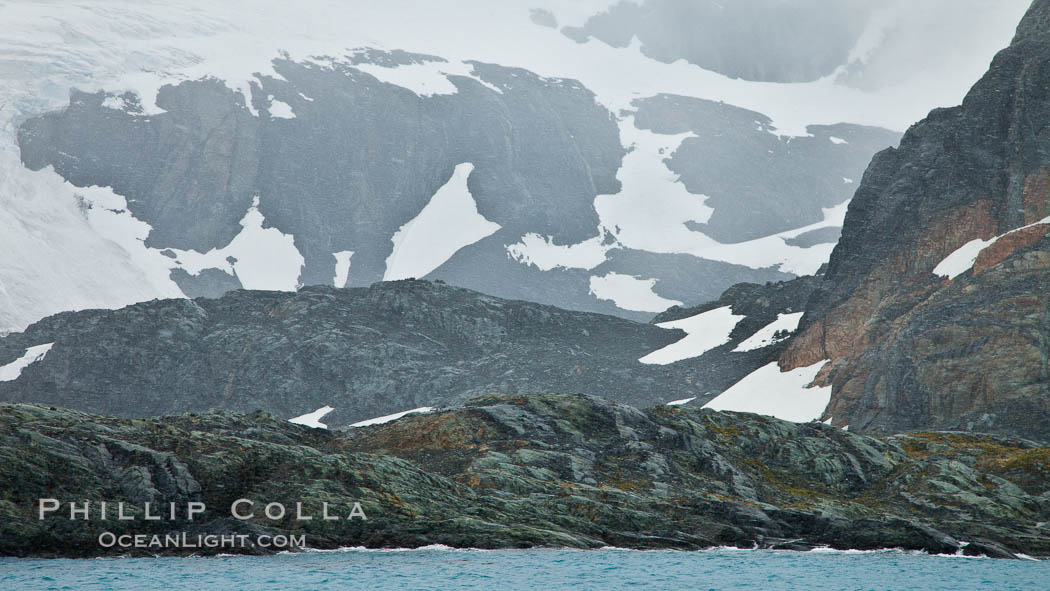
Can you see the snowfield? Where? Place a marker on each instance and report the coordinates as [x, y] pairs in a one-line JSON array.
[[421, 245], [784, 395]]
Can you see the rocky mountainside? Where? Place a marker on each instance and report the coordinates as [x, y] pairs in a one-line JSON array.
[[537, 153], [507, 471], [366, 352], [342, 168], [914, 339], [935, 311]]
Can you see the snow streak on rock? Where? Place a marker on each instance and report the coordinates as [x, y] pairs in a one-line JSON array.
[[393, 417], [704, 332], [11, 371]]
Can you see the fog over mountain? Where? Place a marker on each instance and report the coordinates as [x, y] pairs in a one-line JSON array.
[[762, 40], [867, 44], [610, 157]]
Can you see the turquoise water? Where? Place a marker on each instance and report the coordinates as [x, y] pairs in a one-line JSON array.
[[506, 570]]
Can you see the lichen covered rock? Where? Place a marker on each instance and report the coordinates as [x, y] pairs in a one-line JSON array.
[[515, 471]]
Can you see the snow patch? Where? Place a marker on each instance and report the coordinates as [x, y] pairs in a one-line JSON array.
[[393, 417], [962, 258], [108, 215], [837, 140], [765, 336], [116, 103], [426, 78], [313, 419], [630, 292], [342, 267], [448, 223], [12, 370], [261, 258], [651, 212], [680, 402], [280, 109], [784, 395], [652, 207], [546, 255], [704, 332], [847, 180]]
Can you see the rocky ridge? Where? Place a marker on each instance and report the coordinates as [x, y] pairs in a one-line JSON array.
[[367, 352]]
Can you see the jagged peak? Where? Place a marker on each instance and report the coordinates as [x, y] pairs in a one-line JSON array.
[[1036, 22]]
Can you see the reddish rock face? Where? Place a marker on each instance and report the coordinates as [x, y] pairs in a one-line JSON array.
[[1037, 196], [909, 349], [847, 329], [1007, 245]]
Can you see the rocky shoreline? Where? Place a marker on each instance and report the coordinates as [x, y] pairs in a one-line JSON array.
[[517, 472]]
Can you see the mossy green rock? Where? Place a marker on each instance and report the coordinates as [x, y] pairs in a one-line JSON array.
[[522, 471]]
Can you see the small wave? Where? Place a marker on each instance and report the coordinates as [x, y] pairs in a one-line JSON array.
[[432, 547]]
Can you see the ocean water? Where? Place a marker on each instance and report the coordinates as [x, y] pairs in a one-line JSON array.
[[506, 570]]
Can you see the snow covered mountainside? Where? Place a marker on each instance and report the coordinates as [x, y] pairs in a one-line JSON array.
[[558, 152]]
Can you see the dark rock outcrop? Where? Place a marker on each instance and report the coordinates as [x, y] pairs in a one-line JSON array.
[[814, 237], [910, 349], [511, 471], [760, 303]]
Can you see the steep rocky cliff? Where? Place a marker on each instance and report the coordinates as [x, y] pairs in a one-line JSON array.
[[918, 338], [508, 471]]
